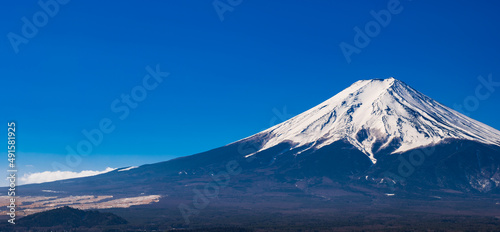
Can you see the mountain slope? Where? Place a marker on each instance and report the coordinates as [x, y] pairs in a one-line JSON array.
[[375, 114], [344, 147]]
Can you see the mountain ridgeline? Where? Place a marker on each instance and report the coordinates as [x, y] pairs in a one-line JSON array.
[[377, 133]]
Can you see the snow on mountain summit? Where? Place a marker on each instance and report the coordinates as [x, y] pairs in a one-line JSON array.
[[374, 114]]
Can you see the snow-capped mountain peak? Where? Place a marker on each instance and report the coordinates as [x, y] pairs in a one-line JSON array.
[[374, 114]]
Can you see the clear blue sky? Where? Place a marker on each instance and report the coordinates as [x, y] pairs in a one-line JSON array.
[[226, 77]]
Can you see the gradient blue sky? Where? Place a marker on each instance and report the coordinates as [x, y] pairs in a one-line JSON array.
[[226, 77]]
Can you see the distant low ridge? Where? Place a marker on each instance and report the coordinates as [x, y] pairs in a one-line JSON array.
[[68, 217]]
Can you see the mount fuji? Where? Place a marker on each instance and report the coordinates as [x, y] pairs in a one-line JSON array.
[[375, 139], [376, 114]]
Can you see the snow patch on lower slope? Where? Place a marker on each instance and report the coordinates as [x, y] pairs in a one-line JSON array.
[[127, 169]]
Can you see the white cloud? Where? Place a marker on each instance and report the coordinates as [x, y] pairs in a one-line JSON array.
[[47, 176]]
